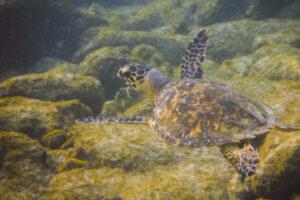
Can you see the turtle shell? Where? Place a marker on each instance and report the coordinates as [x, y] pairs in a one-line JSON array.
[[201, 112]]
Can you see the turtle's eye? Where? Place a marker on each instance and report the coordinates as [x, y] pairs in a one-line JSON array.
[[126, 74]]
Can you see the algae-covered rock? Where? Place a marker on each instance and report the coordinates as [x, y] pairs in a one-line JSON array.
[[35, 117], [63, 159], [123, 99], [180, 15], [147, 18], [131, 147], [277, 67], [279, 170], [55, 87], [65, 67], [274, 62], [23, 173], [103, 64], [106, 36], [101, 183], [140, 108], [286, 36], [127, 156], [44, 64], [230, 39], [54, 139]]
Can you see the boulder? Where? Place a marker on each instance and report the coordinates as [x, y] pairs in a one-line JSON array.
[[24, 174], [287, 36], [123, 99], [147, 18], [280, 163], [55, 87], [103, 64], [274, 62], [236, 38], [122, 156], [35, 118], [150, 56], [166, 44]]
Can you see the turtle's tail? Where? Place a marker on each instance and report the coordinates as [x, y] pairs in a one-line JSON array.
[[286, 127]]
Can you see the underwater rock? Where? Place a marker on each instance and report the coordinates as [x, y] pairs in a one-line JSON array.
[[44, 64], [144, 107], [180, 15], [65, 67], [63, 160], [103, 64], [35, 118], [55, 87], [124, 98], [278, 175], [107, 36], [151, 56], [23, 172], [231, 39], [129, 155], [287, 36], [54, 139], [101, 183], [274, 62], [147, 18], [277, 67], [131, 147]]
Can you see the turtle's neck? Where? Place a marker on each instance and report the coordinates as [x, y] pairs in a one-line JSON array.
[[155, 81]]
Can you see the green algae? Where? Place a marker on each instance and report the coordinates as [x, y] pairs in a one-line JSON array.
[[55, 87], [23, 173], [280, 159], [103, 64], [133, 155], [35, 117], [274, 62], [108, 36]]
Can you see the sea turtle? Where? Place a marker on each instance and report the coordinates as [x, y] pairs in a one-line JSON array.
[[195, 112]]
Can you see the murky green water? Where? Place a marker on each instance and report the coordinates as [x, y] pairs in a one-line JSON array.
[[59, 62]]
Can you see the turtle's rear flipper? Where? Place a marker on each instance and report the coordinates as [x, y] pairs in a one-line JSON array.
[[285, 127], [131, 119], [245, 160]]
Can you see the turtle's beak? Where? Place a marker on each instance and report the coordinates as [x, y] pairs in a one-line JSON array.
[[122, 71]]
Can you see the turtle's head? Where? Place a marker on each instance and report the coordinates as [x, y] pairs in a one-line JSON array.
[[142, 78]]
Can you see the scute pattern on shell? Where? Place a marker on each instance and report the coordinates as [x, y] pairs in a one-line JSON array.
[[202, 112]]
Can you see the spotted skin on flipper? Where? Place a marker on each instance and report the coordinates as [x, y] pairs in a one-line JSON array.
[[130, 119], [194, 57], [245, 159]]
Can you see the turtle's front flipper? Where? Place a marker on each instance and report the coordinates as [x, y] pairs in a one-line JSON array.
[[131, 119], [245, 160], [285, 127], [194, 57]]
